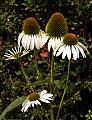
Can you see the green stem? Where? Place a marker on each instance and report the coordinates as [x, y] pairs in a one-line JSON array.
[[51, 86], [25, 75], [36, 65], [38, 110], [52, 68], [38, 73], [65, 89]]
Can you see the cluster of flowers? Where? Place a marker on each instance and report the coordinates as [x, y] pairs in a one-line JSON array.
[[58, 39]]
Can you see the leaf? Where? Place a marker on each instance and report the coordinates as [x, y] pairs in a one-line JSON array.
[[59, 84], [40, 82], [13, 105]]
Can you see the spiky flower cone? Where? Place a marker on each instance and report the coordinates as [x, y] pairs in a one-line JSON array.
[[56, 26], [31, 26], [70, 39]]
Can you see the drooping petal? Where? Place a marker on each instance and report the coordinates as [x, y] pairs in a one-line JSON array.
[[74, 52], [77, 50], [28, 42], [64, 53], [32, 43], [24, 40], [83, 47], [26, 106], [37, 42], [25, 102], [44, 100], [43, 37], [38, 103], [81, 50], [20, 37], [42, 92], [51, 43], [60, 50], [46, 96], [68, 52]]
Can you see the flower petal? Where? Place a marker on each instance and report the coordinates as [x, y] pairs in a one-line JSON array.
[[20, 37], [68, 52], [37, 42], [44, 100], [64, 53], [81, 50], [74, 52], [32, 43]]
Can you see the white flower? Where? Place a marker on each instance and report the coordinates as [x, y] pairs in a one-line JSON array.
[[70, 50], [54, 43], [31, 35], [35, 98], [16, 53], [56, 28], [31, 41]]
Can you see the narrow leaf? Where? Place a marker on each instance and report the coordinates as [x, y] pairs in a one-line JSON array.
[[13, 105]]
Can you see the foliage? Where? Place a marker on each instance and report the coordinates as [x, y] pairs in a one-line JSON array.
[[78, 99]]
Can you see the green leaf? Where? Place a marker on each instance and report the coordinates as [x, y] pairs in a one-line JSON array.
[[13, 105], [59, 84], [40, 82]]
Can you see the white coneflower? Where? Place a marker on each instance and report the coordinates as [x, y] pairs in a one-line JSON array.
[[56, 28], [15, 53], [35, 98], [70, 47], [31, 36]]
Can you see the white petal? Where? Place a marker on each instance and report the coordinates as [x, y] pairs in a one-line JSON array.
[[24, 40], [28, 42], [74, 52], [81, 50], [6, 54], [25, 102], [51, 43], [20, 37], [83, 47], [68, 52], [44, 39], [16, 50], [60, 50], [26, 106], [42, 92], [46, 96], [44, 100], [37, 102], [77, 51], [37, 42], [33, 103], [64, 53], [11, 52], [32, 43]]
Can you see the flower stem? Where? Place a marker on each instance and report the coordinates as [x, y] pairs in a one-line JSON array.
[[25, 75], [65, 89], [38, 110], [36, 65], [51, 86], [52, 68]]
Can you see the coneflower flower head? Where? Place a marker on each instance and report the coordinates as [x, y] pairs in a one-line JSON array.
[[16, 53], [36, 99], [56, 26], [70, 47], [55, 29], [31, 35], [33, 96], [31, 26]]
